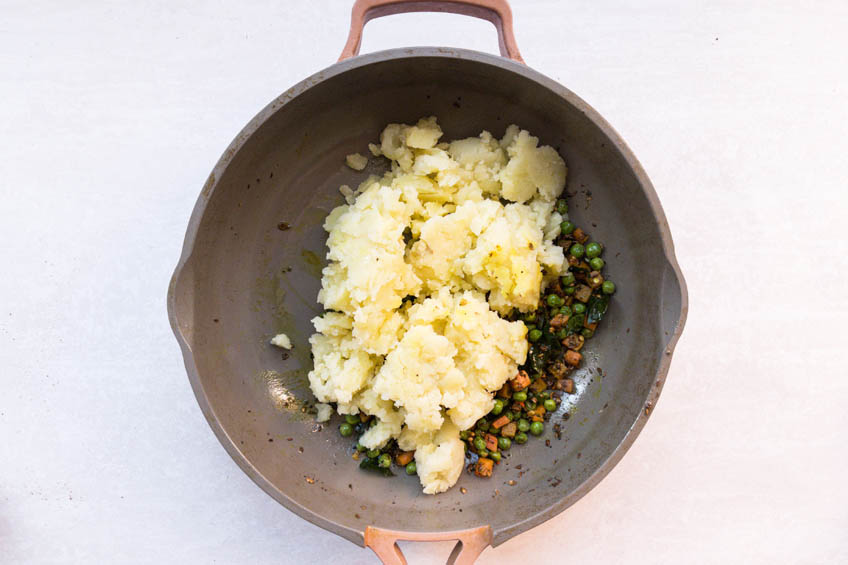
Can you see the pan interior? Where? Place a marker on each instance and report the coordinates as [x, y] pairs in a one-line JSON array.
[[247, 279]]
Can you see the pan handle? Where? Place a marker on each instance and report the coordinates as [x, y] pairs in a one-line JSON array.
[[495, 11], [470, 544]]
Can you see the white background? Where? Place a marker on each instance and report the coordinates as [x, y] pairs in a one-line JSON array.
[[111, 117]]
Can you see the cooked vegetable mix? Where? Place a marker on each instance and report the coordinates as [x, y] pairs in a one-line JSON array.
[[566, 317]]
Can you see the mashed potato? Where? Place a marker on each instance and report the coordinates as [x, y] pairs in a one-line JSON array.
[[356, 161], [281, 340], [423, 264]]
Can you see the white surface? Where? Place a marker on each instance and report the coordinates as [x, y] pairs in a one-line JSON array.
[[112, 116]]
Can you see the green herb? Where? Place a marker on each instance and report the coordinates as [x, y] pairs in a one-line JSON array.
[[597, 307], [575, 322], [537, 358]]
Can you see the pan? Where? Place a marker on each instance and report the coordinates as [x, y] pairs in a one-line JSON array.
[[251, 267]]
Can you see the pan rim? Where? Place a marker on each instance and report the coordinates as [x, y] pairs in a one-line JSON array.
[[179, 326]]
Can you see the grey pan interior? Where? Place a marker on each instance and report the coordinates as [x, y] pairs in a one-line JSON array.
[[241, 279]]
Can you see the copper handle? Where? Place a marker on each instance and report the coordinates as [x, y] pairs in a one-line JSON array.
[[470, 544], [495, 11]]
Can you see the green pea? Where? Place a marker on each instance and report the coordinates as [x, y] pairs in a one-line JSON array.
[[372, 453], [479, 443], [411, 468], [519, 396], [536, 428], [511, 416], [534, 335], [593, 249], [566, 228], [569, 290], [608, 287], [463, 435], [360, 447], [530, 327], [483, 424], [520, 438], [587, 332], [550, 405], [384, 461], [545, 394], [567, 279], [496, 457], [352, 419], [579, 308], [530, 318], [565, 310], [523, 425], [504, 443], [562, 334], [577, 250], [562, 206], [554, 301], [498, 407], [597, 264], [346, 430]]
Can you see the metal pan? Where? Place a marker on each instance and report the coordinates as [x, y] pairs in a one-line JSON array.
[[244, 276]]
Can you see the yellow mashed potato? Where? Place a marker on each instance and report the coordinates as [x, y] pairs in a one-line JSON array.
[[421, 263]]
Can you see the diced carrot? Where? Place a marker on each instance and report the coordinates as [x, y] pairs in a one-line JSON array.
[[559, 320], [537, 414], [500, 422], [580, 235], [568, 385], [404, 457], [509, 430], [574, 342], [538, 385], [583, 293], [484, 466], [558, 369], [491, 442], [520, 381], [572, 358], [591, 326]]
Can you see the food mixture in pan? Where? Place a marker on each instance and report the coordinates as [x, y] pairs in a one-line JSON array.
[[458, 297]]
